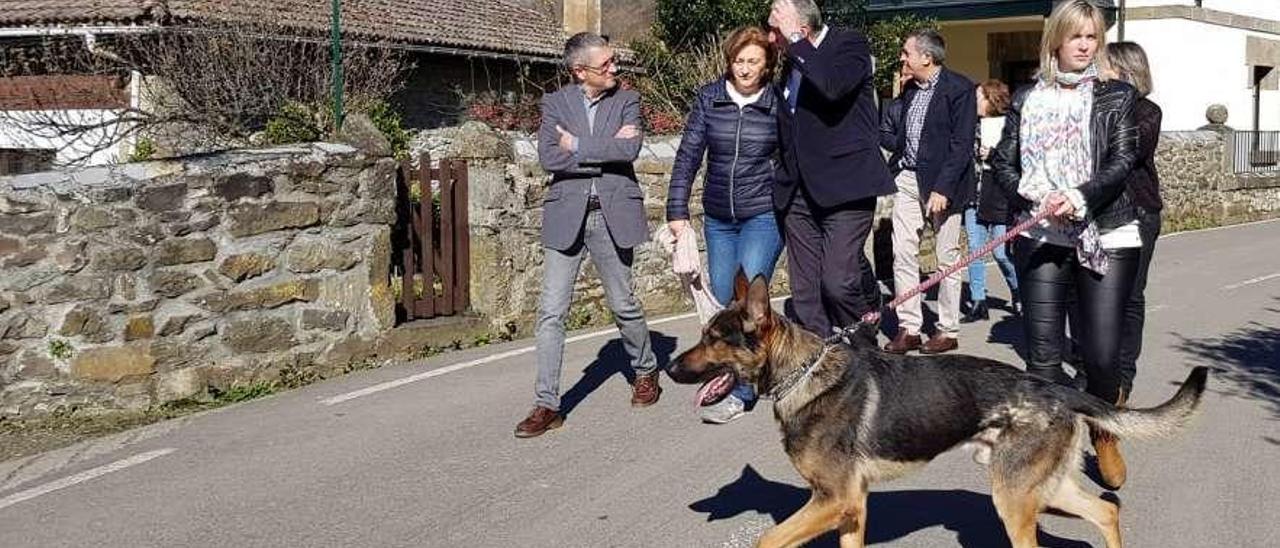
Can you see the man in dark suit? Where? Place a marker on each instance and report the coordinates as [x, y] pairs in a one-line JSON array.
[[831, 170], [589, 137], [930, 130]]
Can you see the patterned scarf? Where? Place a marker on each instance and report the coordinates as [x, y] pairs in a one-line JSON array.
[[1057, 156]]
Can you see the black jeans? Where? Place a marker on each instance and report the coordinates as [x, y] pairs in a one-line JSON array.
[[1135, 311], [1047, 274], [832, 282]]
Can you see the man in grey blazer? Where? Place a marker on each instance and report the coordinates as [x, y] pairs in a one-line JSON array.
[[589, 137]]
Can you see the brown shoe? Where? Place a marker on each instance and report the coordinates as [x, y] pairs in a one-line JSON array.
[[538, 422], [645, 391], [903, 343], [938, 344]]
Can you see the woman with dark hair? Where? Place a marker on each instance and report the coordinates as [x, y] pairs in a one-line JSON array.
[[1129, 64], [733, 125], [987, 217], [1069, 144]]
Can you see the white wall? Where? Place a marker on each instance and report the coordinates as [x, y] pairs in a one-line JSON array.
[[1194, 65], [1266, 9], [12, 135]]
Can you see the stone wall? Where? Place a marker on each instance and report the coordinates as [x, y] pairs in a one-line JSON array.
[[1199, 188], [130, 285], [507, 187]]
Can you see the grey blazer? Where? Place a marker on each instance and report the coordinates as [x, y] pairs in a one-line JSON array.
[[600, 158]]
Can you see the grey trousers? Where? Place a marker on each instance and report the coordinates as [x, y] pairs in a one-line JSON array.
[[560, 270]]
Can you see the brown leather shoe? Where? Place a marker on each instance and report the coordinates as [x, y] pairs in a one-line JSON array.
[[645, 391], [938, 344], [538, 422], [903, 343]]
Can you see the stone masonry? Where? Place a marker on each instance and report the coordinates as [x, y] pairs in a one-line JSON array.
[[131, 285], [127, 286], [507, 187]]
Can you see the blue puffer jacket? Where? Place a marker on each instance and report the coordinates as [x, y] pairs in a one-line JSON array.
[[740, 145]]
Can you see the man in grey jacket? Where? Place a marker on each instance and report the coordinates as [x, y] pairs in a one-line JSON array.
[[589, 137]]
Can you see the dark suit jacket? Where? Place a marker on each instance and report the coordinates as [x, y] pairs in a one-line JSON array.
[[944, 162], [829, 144], [600, 158]]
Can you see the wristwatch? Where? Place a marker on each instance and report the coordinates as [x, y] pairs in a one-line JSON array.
[[795, 37]]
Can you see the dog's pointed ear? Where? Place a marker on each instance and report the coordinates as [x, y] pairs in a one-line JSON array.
[[741, 285], [758, 308]]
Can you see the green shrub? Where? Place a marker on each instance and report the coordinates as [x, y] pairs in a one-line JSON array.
[[670, 79], [143, 150], [306, 123], [60, 349], [681, 23], [886, 38], [388, 121], [295, 123]]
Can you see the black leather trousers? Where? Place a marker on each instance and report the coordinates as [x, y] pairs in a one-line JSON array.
[[1136, 311], [1047, 276]]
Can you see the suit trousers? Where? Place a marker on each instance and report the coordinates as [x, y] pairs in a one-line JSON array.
[[560, 271], [832, 282], [908, 223]]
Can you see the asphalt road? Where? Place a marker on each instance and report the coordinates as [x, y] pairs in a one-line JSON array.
[[429, 460]]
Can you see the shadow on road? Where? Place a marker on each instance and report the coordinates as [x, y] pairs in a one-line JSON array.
[[890, 516], [1247, 358], [1008, 331], [613, 360]]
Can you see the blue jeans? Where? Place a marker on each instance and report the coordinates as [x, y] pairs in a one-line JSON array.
[[979, 234], [753, 244]]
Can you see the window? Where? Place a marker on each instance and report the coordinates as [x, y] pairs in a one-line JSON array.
[[1260, 74]]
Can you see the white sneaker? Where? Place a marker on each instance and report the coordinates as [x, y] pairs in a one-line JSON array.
[[723, 411]]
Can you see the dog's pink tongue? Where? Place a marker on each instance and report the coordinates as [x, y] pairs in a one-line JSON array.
[[712, 388]]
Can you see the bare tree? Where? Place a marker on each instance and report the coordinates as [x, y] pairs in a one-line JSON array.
[[194, 88]]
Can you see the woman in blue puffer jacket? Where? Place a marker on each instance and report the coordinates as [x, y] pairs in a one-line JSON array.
[[733, 123]]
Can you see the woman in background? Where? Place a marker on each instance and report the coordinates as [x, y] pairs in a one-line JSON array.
[[1128, 63], [987, 217]]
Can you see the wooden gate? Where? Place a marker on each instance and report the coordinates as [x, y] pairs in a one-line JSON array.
[[432, 238]]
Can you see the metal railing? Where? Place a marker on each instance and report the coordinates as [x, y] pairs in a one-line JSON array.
[[1256, 152]]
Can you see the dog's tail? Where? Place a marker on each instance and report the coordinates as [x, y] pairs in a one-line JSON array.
[[1161, 421]]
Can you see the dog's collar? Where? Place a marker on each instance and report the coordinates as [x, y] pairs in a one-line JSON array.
[[794, 378]]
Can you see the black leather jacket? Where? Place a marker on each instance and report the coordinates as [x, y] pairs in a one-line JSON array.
[[1114, 136]]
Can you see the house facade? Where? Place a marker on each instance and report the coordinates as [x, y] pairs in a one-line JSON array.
[[459, 48], [1202, 52]]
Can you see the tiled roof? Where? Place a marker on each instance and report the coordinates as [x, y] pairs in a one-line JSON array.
[[34, 12], [62, 92], [491, 25]]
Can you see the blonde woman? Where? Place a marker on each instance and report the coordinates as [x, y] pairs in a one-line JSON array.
[[1069, 144]]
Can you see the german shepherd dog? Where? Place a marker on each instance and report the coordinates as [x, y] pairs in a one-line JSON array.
[[852, 415]]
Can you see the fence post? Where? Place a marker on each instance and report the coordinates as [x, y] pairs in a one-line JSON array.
[[462, 298], [426, 304], [446, 236], [404, 182]]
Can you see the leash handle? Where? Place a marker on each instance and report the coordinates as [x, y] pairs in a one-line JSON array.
[[937, 277]]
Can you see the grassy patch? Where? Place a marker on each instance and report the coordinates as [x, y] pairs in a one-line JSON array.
[[60, 349], [19, 438]]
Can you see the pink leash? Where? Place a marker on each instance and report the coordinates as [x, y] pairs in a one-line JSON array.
[[874, 316]]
